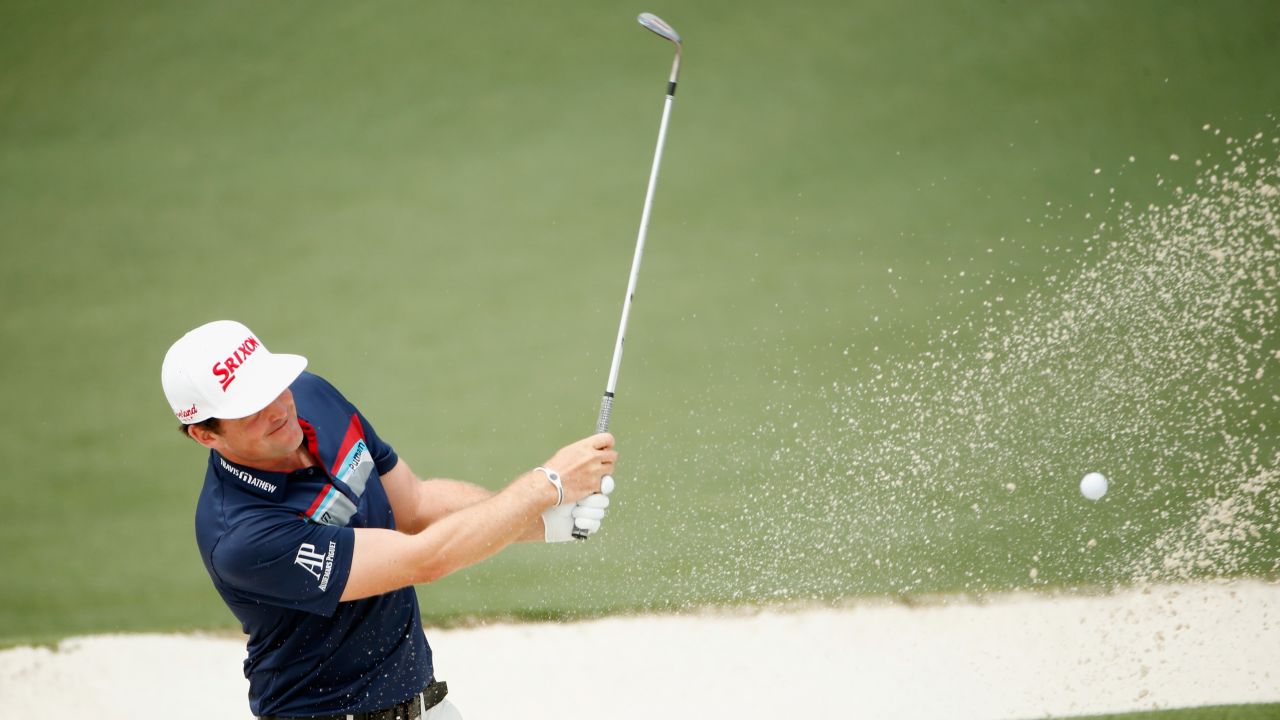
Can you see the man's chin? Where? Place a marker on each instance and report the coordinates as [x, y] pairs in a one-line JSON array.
[[289, 436]]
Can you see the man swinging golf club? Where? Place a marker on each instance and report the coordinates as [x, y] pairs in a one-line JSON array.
[[314, 531]]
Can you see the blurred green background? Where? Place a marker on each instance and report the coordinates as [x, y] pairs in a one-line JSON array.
[[437, 204]]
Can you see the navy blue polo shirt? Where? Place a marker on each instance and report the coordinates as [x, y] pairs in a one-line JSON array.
[[278, 547]]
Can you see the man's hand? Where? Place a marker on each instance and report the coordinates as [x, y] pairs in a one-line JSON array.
[[558, 522], [582, 464]]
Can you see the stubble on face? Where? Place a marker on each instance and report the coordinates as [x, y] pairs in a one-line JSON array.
[[269, 439]]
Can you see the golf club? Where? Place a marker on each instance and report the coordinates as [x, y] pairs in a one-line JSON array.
[[658, 26]]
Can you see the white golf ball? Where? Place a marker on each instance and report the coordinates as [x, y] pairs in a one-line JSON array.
[[1093, 486]]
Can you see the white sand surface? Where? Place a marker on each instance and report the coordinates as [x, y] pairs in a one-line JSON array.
[[1005, 657]]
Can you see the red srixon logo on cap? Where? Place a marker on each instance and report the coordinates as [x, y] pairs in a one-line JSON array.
[[226, 370], [187, 414]]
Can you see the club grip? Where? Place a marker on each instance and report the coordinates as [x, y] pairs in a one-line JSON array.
[[602, 425], [606, 412]]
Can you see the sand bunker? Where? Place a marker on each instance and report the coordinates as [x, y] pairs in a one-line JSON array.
[[1012, 656]]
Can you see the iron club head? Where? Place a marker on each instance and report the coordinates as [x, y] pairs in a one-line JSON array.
[[658, 26]]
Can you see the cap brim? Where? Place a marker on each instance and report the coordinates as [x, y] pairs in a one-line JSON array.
[[260, 388]]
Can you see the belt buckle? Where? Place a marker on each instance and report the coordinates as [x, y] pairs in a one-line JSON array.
[[410, 709], [405, 710]]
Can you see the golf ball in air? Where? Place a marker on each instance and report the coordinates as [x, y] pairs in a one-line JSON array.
[[1093, 486]]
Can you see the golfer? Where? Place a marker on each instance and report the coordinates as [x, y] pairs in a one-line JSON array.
[[314, 531]]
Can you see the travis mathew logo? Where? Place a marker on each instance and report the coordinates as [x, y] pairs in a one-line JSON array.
[[247, 478], [187, 414], [226, 370], [320, 566]]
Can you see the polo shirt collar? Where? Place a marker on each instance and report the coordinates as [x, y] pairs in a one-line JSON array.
[[262, 483]]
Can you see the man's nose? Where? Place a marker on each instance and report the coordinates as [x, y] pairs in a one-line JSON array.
[[278, 409]]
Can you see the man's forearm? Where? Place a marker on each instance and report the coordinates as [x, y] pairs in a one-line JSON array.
[[442, 496], [444, 525], [445, 497], [385, 560], [475, 532]]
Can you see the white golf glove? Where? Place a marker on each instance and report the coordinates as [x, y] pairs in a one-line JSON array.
[[586, 514]]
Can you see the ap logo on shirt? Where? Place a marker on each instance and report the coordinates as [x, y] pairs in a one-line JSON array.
[[320, 566]]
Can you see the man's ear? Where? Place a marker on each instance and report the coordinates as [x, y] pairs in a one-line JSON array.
[[202, 435]]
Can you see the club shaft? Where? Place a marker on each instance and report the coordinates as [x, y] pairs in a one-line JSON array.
[[612, 385], [606, 402]]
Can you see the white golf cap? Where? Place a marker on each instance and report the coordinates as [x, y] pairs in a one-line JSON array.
[[222, 370]]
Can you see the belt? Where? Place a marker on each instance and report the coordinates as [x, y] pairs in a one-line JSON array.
[[410, 709]]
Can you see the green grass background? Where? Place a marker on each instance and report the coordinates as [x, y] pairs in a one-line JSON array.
[[436, 203]]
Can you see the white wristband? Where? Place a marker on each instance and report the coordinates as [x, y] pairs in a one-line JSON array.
[[554, 478]]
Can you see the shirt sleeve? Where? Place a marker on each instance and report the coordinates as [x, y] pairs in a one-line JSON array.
[[384, 456], [286, 561]]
